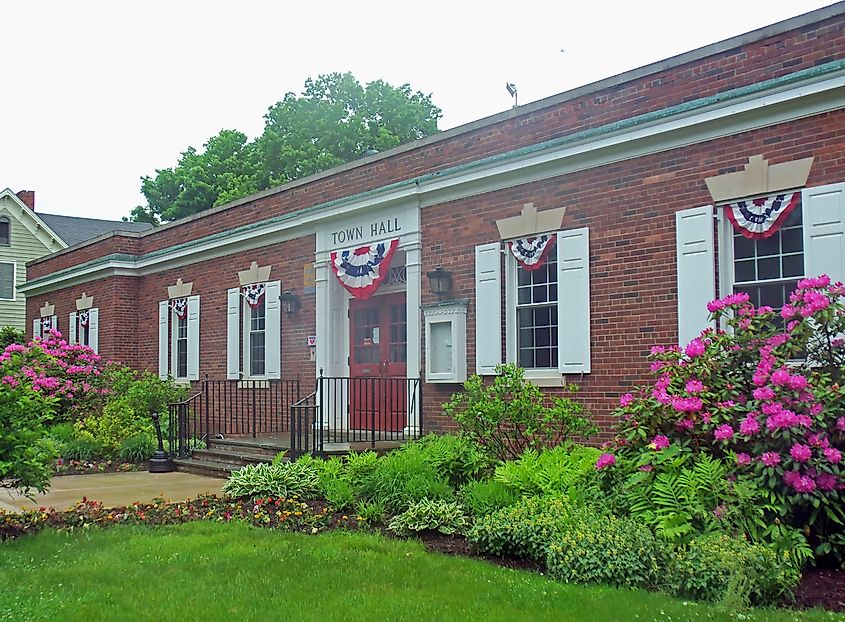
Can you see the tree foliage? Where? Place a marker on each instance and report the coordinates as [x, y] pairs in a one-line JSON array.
[[335, 120]]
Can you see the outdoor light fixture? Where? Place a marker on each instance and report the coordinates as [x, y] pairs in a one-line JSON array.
[[290, 302], [440, 280]]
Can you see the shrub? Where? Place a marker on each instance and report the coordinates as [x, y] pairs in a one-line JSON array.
[[605, 549], [511, 415], [117, 422], [285, 479], [139, 447], [555, 471], [731, 571], [447, 517], [25, 454], [738, 395], [50, 366], [373, 512], [84, 448], [360, 464], [10, 335], [524, 529], [487, 496], [401, 478]]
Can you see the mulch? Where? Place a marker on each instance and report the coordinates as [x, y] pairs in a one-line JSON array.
[[88, 467]]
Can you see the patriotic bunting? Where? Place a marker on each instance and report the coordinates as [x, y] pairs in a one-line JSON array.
[[761, 218], [180, 308], [253, 294], [531, 253], [46, 323], [82, 316], [362, 270]]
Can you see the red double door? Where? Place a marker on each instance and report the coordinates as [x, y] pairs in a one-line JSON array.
[[378, 363]]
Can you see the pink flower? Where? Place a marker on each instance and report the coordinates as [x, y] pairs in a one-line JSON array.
[[840, 424], [694, 386], [695, 348], [743, 459], [763, 393], [749, 426], [780, 377], [800, 453], [687, 404], [686, 424], [816, 283], [605, 460], [626, 400], [646, 468], [659, 442], [723, 433], [798, 382], [826, 481], [833, 455], [770, 458]]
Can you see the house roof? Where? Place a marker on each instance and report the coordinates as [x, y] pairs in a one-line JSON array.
[[74, 230]]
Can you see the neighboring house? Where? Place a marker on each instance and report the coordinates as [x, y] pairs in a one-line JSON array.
[[26, 235]]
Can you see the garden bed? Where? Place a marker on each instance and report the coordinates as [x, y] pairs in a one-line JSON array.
[[88, 467]]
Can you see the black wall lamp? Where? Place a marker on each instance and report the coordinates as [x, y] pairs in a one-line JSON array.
[[440, 281], [290, 302]]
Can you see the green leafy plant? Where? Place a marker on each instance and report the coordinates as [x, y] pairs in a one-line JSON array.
[[360, 464], [511, 414], [454, 456], [372, 512], [731, 571], [446, 517], [10, 335], [524, 529], [117, 422], [596, 548], [137, 448], [25, 455], [402, 477], [287, 479], [555, 471], [84, 448], [486, 496]]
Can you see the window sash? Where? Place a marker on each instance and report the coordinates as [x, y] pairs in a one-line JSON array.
[[255, 349], [8, 274], [536, 344]]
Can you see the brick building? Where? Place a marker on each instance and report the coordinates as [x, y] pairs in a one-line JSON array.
[[620, 188]]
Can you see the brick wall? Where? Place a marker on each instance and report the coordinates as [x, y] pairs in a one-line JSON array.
[[764, 59]]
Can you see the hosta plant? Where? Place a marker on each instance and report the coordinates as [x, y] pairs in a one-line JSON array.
[[446, 517]]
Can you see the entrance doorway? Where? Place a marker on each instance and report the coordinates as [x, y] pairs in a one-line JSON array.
[[378, 362]]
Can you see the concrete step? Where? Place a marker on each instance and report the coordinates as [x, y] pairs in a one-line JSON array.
[[255, 446], [204, 467], [230, 455]]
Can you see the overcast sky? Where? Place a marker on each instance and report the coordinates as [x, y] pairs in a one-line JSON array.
[[98, 94]]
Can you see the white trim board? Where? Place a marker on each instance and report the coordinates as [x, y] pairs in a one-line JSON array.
[[811, 97]]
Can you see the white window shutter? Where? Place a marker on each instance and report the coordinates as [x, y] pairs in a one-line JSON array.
[[824, 231], [93, 330], [54, 322], [233, 334], [488, 308], [72, 328], [273, 330], [696, 266], [193, 337], [573, 301], [163, 337], [36, 328]]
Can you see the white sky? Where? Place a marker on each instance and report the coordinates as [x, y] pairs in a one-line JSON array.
[[98, 94]]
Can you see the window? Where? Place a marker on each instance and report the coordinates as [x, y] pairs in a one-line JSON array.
[[768, 270], [255, 347], [84, 328], [179, 338], [253, 331], [5, 231], [537, 316], [7, 280]]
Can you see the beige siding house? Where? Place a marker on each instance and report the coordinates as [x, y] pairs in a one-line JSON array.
[[26, 235]]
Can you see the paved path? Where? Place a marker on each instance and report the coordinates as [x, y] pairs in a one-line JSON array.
[[114, 489]]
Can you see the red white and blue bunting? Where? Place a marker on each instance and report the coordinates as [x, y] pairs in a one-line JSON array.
[[46, 323], [531, 253], [253, 294], [361, 270], [82, 316], [761, 218], [180, 308]]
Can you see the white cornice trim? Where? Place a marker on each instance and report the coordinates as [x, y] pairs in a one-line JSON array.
[[814, 96], [33, 223]]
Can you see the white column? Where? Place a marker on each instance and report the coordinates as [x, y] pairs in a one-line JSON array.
[[323, 316], [413, 295]]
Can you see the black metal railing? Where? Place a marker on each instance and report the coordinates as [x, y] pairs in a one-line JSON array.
[[231, 408], [343, 410]]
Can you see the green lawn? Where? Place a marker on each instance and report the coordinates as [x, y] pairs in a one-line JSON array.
[[208, 571]]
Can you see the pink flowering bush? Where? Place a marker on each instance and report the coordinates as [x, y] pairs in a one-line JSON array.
[[72, 374], [763, 395]]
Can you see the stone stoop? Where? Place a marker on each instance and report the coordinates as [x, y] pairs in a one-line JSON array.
[[226, 455]]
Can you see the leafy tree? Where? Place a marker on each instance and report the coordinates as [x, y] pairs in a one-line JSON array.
[[10, 335], [334, 120]]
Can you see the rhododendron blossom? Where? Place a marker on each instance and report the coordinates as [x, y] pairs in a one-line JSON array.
[[800, 453], [723, 432], [605, 460], [659, 442]]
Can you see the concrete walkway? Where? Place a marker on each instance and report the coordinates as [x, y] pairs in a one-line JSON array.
[[114, 489]]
